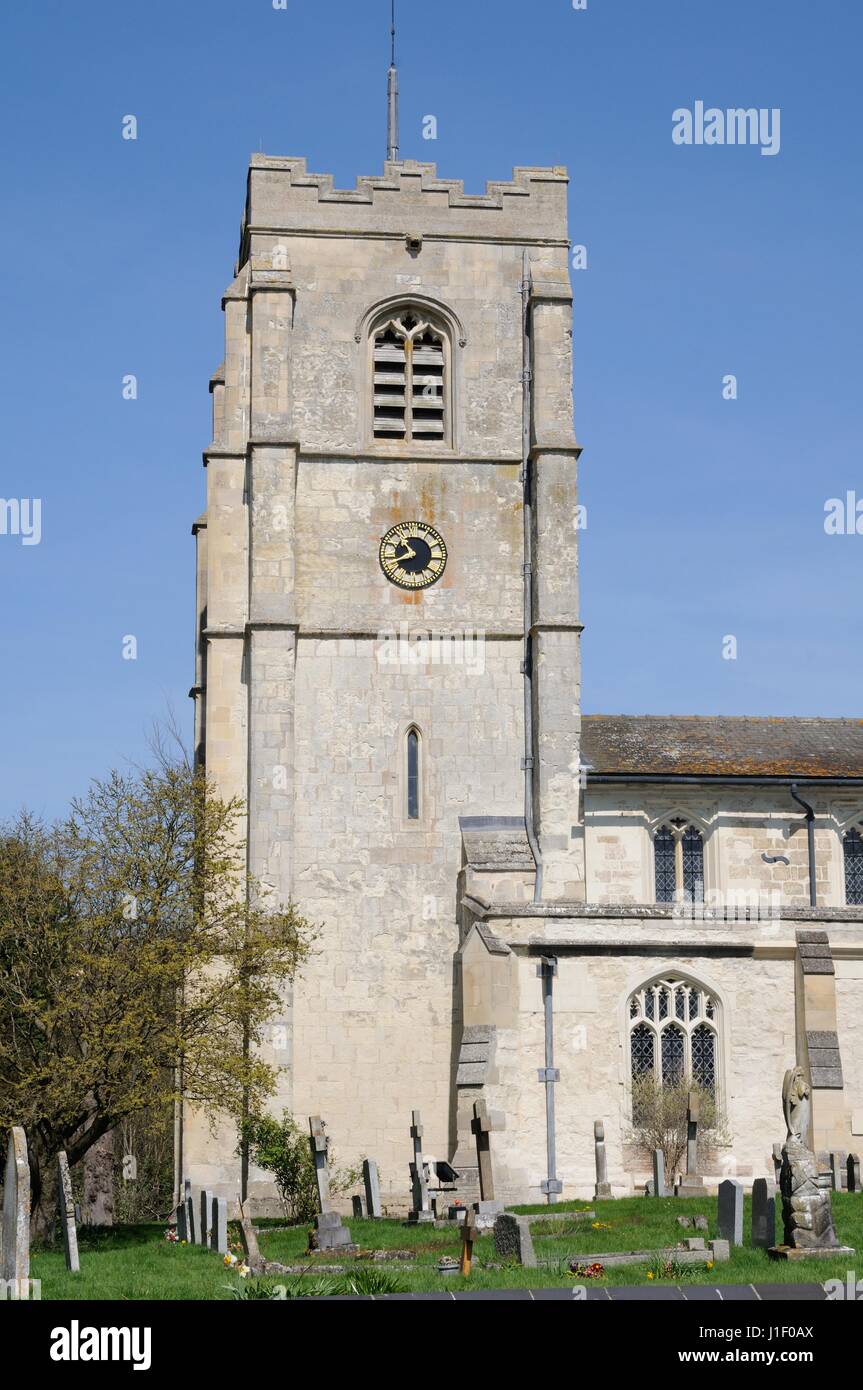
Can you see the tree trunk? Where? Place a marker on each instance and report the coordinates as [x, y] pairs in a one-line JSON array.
[[97, 1209]]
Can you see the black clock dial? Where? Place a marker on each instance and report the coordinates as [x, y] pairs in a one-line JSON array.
[[413, 555]]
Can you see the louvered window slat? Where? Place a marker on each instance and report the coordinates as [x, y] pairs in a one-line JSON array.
[[409, 371]]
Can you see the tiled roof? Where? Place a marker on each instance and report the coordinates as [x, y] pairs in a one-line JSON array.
[[721, 746]]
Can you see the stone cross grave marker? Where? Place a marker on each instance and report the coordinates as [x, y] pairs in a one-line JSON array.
[[659, 1188], [731, 1211], [330, 1233], [67, 1213], [512, 1239], [16, 1208], [853, 1172], [603, 1187], [691, 1185], [763, 1214], [206, 1226], [421, 1205], [372, 1184], [219, 1225], [483, 1124]]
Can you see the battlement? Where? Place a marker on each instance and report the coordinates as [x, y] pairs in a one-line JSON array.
[[283, 196]]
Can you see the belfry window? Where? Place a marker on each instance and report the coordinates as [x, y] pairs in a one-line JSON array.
[[412, 779], [409, 380], [673, 1033], [678, 856], [853, 848]]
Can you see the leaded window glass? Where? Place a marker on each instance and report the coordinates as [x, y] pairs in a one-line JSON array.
[[413, 774], [673, 1030], [664, 852], [853, 868], [693, 866]]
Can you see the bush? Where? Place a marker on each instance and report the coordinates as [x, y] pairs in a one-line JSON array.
[[281, 1148], [659, 1118]]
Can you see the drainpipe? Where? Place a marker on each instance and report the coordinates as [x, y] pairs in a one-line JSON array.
[[810, 837], [527, 509], [548, 1075]]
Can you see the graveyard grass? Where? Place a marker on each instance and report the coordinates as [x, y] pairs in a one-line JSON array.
[[137, 1263]]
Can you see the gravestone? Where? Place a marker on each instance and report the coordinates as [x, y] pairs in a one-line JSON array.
[[330, 1233], [205, 1229], [512, 1239], [67, 1213], [853, 1172], [372, 1184], [838, 1169], [730, 1219], [182, 1222], [603, 1187], [807, 1208], [421, 1210], [690, 1184], [469, 1233], [359, 1207], [659, 1189], [16, 1208], [483, 1124], [249, 1241], [763, 1214], [219, 1225], [191, 1221]]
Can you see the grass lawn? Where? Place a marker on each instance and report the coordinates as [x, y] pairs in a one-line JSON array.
[[136, 1262]]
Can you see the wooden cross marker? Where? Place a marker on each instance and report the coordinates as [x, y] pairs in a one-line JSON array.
[[468, 1236]]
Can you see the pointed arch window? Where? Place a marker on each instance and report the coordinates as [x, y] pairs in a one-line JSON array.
[[410, 387], [412, 774], [674, 1033], [678, 857], [852, 845]]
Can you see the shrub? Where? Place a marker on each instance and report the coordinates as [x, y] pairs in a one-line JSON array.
[[280, 1147]]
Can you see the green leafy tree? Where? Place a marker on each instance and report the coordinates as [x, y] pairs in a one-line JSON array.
[[138, 961]]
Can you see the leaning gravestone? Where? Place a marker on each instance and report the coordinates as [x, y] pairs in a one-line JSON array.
[[659, 1189], [330, 1234], [763, 1214], [807, 1208], [603, 1187], [421, 1210], [483, 1124], [67, 1213], [853, 1172], [730, 1219], [249, 1241], [16, 1208], [372, 1184], [512, 1239], [219, 1225]]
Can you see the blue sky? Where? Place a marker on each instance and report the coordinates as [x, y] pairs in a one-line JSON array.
[[705, 516]]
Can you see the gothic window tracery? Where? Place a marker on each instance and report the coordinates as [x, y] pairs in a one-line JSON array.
[[674, 1033], [852, 845]]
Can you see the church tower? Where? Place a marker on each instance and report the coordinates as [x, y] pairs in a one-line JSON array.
[[387, 581]]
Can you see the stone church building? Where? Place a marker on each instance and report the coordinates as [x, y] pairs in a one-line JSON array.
[[518, 902]]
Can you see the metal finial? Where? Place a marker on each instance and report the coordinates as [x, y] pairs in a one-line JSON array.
[[393, 94]]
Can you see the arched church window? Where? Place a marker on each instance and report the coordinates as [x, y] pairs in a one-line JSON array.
[[678, 852], [674, 1033], [412, 780], [409, 388], [853, 847]]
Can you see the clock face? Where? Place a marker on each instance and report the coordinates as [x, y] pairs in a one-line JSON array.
[[413, 555]]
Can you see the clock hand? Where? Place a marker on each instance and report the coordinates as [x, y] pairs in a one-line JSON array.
[[408, 555]]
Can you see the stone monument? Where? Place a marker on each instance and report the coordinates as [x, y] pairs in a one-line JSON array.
[[330, 1233], [807, 1208], [372, 1185], [67, 1213], [690, 1184], [421, 1210], [603, 1187], [484, 1122], [16, 1208]]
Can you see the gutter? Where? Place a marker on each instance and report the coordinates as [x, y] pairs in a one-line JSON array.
[[719, 778], [810, 839], [527, 509]]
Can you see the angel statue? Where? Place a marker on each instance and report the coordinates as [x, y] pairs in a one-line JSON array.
[[796, 1104]]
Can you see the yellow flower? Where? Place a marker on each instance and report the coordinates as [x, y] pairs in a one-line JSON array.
[[709, 1264], [650, 1274]]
